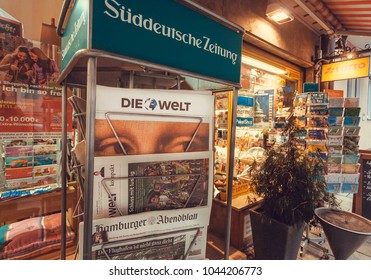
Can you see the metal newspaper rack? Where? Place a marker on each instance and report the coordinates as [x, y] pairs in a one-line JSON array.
[[81, 71]]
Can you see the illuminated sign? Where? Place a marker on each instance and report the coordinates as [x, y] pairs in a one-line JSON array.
[[349, 69]]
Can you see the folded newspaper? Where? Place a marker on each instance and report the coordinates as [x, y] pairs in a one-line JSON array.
[[125, 185]]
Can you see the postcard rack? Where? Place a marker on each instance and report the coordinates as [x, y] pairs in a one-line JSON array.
[[89, 67]]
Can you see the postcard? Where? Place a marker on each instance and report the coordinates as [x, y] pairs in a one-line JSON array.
[[319, 121], [335, 130], [21, 183], [17, 162], [351, 140], [350, 168], [333, 178], [316, 134], [318, 97], [352, 111], [334, 93], [352, 159], [317, 110], [351, 102], [335, 121], [45, 159], [349, 187], [351, 130], [334, 159], [336, 111], [335, 140], [336, 102], [44, 170], [335, 149], [333, 187], [334, 168], [351, 150], [18, 151], [351, 121], [350, 178], [16, 173]]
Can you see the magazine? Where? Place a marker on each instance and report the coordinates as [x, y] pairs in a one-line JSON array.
[[125, 185]]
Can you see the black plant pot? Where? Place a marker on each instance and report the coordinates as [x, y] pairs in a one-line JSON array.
[[274, 240]]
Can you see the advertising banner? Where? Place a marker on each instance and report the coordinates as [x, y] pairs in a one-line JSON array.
[[348, 69], [158, 32]]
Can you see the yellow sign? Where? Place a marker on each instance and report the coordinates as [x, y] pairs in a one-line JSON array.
[[349, 69]]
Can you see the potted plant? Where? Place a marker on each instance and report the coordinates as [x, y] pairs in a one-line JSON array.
[[291, 185]]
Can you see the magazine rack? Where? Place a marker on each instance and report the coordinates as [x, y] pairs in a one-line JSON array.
[[82, 61]]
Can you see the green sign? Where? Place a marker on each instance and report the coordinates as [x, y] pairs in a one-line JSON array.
[[166, 32], [75, 36]]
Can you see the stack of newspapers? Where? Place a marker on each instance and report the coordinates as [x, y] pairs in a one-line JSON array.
[[153, 168]]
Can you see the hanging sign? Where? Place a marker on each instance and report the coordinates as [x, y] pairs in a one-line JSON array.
[[164, 32], [343, 70]]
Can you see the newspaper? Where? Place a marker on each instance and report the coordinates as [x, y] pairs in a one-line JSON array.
[[154, 226], [137, 121], [125, 185]]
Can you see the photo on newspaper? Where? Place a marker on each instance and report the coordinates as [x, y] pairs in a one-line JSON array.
[[137, 121], [125, 185]]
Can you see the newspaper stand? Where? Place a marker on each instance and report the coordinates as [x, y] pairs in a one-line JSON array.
[[83, 60]]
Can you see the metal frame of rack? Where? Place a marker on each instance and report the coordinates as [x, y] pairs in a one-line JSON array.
[[85, 64]]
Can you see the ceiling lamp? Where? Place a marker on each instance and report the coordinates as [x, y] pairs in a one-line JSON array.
[[277, 13]]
